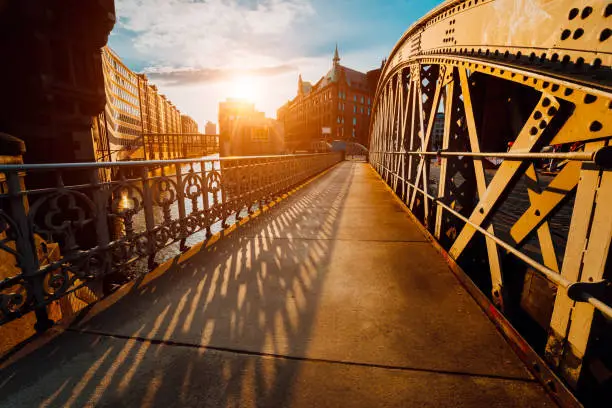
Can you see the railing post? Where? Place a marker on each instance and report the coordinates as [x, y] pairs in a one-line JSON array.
[[205, 197], [26, 247], [149, 217], [180, 196], [100, 199]]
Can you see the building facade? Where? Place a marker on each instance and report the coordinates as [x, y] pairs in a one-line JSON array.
[[188, 125], [437, 133], [244, 131], [135, 112], [122, 114], [210, 128], [337, 107]]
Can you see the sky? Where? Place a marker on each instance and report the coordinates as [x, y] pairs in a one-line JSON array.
[[200, 52]]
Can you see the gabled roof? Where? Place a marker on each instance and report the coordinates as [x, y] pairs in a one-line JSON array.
[[353, 78]]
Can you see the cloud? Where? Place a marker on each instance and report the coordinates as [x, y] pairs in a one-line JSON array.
[[190, 76], [193, 49], [212, 33]]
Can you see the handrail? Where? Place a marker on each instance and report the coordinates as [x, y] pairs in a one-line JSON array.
[[599, 156], [140, 163], [548, 273]]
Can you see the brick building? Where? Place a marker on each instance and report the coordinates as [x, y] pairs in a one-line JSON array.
[[437, 135], [337, 107]]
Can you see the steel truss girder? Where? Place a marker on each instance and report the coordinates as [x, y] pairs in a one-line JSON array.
[[567, 112], [569, 37]]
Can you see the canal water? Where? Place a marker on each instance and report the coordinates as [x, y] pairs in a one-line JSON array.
[[139, 223]]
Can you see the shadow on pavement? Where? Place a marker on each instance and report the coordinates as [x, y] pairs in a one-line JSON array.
[[202, 333]]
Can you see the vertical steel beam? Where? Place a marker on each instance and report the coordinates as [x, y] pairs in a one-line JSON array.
[[449, 94], [481, 185], [527, 139], [585, 256]]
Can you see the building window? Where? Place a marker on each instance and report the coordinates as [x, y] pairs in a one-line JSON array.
[[354, 108], [354, 98], [354, 121], [362, 99], [338, 119], [369, 101], [362, 110]]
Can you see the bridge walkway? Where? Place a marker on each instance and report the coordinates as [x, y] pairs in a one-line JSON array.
[[334, 298]]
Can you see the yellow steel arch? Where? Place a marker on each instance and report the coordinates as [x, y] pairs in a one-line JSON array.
[[492, 121]]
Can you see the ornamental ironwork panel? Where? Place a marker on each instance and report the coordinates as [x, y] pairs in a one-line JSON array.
[[61, 239]]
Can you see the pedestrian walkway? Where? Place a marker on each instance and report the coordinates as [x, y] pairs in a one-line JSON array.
[[333, 298]]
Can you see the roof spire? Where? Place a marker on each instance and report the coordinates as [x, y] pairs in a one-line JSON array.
[[300, 88], [336, 56]]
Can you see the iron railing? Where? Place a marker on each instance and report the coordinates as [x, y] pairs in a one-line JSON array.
[[66, 238]]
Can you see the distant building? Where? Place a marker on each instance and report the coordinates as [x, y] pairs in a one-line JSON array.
[[337, 107], [437, 134], [244, 131], [188, 125], [210, 128], [123, 120], [133, 107]]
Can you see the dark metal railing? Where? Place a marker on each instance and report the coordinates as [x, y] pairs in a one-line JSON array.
[[61, 239]]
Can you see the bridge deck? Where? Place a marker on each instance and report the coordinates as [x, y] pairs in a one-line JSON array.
[[334, 298]]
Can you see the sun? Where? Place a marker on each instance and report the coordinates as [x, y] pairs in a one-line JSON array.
[[245, 87]]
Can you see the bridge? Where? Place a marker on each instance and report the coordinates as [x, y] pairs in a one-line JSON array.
[[472, 270]]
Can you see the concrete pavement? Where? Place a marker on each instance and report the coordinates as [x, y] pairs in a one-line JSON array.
[[333, 298]]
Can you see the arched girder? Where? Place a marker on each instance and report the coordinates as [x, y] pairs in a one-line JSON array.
[[475, 178]]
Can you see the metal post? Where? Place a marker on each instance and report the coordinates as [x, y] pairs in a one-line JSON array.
[[180, 196], [26, 247], [149, 217], [100, 199]]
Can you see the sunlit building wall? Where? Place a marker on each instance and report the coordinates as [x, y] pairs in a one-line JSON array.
[[188, 125], [210, 128], [122, 115], [244, 131], [337, 107], [134, 110]]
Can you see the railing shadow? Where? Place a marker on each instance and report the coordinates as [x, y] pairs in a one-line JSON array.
[[227, 328]]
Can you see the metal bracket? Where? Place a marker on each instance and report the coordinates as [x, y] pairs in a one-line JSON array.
[[603, 157], [600, 290]]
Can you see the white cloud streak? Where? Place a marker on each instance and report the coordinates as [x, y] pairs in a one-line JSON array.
[[211, 33]]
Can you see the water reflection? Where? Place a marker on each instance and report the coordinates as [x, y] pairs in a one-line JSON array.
[[193, 175]]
